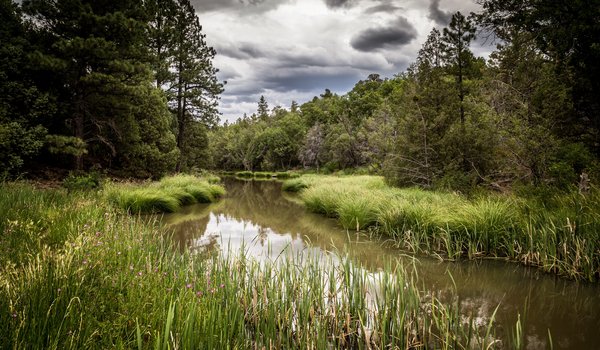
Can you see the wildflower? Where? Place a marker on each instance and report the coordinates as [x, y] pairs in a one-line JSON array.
[[222, 285], [85, 261], [14, 315], [118, 253], [139, 273], [198, 294], [59, 290], [188, 286]]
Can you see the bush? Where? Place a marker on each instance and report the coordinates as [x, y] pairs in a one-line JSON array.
[[83, 182]]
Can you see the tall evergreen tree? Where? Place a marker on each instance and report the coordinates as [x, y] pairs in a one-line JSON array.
[[456, 40], [94, 53], [184, 70], [263, 108], [22, 105], [161, 38]]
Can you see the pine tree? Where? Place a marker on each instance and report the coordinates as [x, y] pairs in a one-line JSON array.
[[22, 105], [568, 34], [188, 76], [161, 38], [263, 108], [94, 54], [456, 40]]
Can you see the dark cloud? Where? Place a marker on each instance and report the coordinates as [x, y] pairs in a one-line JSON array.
[[243, 6], [397, 33], [309, 80], [435, 13], [252, 51], [241, 51], [383, 8], [337, 3]]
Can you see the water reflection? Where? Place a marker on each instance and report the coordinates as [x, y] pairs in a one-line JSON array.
[[269, 224]]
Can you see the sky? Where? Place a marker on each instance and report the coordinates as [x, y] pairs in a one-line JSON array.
[[292, 50]]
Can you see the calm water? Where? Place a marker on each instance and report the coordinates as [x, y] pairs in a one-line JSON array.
[[269, 223]]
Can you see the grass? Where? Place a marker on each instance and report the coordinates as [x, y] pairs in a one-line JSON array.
[[166, 196], [108, 280], [266, 174], [559, 235]]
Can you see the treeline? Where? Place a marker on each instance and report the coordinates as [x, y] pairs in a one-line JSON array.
[[126, 86], [530, 114]]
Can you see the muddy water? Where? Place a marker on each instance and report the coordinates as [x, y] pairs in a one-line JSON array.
[[266, 223]]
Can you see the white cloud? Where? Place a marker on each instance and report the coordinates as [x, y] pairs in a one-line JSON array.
[[294, 49]]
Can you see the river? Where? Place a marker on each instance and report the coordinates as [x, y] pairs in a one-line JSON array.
[[267, 222]]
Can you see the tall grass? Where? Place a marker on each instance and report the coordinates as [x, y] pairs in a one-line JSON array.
[[168, 195], [559, 235], [266, 174], [116, 281]]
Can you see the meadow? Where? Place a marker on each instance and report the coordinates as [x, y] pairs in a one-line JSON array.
[[79, 270], [559, 233]]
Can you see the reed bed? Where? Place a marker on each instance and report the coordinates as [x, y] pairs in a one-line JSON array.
[[559, 235], [117, 281], [266, 174], [166, 196]]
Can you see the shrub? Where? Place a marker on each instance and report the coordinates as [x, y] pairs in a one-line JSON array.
[[83, 182]]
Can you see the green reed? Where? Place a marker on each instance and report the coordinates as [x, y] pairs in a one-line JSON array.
[[559, 235], [166, 196], [118, 281]]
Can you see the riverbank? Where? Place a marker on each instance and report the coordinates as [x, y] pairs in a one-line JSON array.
[[78, 272], [559, 235]]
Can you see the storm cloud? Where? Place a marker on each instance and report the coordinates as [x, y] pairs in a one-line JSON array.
[[383, 8], [240, 6], [435, 13], [295, 49], [337, 3], [397, 33]]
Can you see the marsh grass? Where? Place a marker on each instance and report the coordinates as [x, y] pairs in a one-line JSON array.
[[559, 235], [166, 196], [267, 174], [116, 281]]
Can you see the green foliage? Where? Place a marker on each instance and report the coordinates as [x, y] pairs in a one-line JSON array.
[[294, 185], [23, 107], [90, 58], [567, 35], [60, 144], [166, 196], [551, 231], [77, 182], [18, 144], [149, 149]]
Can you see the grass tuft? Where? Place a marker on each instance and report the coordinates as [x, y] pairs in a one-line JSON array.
[[558, 235], [166, 196]]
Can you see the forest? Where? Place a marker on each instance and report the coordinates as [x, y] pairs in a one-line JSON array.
[[130, 91], [453, 205]]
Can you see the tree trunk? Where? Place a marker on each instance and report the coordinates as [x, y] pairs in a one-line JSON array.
[[180, 109]]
